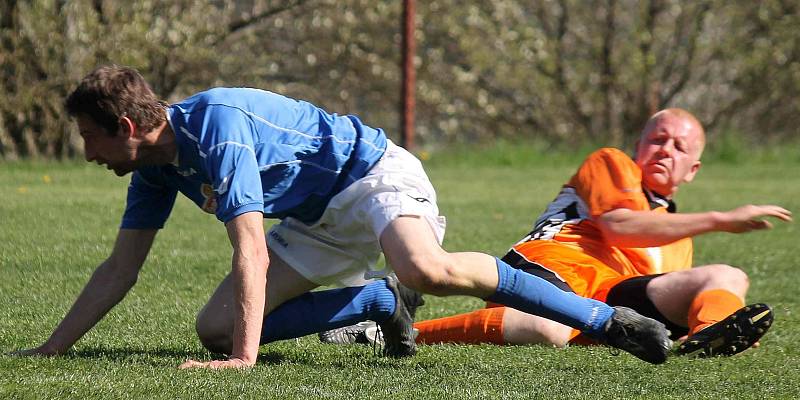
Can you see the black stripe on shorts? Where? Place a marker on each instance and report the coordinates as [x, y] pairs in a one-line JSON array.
[[515, 260]]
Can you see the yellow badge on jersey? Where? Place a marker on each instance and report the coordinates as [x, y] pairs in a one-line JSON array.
[[210, 204]]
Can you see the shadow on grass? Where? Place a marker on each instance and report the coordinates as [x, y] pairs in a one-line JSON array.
[[158, 356], [171, 357], [149, 355], [348, 357]]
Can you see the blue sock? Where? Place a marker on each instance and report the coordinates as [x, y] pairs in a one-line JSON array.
[[328, 309], [533, 295]]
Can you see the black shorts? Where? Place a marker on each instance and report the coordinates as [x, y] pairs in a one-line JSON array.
[[632, 293]]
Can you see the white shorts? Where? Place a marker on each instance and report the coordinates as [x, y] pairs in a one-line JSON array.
[[343, 247]]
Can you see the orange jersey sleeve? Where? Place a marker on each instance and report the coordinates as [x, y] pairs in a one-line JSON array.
[[608, 180]]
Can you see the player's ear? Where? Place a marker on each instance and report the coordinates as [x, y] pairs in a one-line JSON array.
[[127, 126], [692, 171]]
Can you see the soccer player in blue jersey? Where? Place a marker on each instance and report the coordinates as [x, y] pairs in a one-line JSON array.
[[343, 193]]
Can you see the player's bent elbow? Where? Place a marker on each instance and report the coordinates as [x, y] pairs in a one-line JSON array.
[[612, 228]]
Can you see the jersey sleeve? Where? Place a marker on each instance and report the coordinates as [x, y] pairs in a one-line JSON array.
[[236, 180], [608, 180], [232, 165], [150, 201]]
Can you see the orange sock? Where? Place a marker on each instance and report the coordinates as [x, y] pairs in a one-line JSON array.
[[712, 306], [481, 326]]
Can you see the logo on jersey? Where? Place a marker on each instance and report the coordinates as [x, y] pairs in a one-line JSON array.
[[210, 203]]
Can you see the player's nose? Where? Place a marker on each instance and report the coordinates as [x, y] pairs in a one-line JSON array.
[[667, 148]]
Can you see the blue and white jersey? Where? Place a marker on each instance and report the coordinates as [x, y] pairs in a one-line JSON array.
[[242, 150]]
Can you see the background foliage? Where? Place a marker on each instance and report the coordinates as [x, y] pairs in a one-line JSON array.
[[561, 71]]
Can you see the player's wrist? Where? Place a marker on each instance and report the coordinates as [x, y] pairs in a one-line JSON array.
[[51, 349], [241, 361], [719, 220]]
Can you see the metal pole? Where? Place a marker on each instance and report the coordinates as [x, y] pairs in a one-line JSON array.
[[408, 76]]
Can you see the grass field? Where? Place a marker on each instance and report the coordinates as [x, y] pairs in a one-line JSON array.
[[58, 221]]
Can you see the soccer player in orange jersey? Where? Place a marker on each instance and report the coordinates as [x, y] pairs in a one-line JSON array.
[[613, 234]]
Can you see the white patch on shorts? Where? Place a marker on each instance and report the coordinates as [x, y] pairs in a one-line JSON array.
[[343, 247]]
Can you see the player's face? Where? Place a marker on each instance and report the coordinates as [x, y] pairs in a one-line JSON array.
[[668, 153], [117, 153]]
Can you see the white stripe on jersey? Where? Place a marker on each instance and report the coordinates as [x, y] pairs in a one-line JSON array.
[[268, 166], [189, 135], [658, 259], [280, 128], [212, 148]]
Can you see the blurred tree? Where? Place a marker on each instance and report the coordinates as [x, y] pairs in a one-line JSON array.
[[754, 79], [47, 46], [573, 70], [566, 71]]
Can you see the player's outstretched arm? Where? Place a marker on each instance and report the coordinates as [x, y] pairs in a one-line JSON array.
[[627, 228], [108, 285], [249, 272]]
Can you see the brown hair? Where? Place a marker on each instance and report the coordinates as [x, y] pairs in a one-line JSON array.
[[111, 92]]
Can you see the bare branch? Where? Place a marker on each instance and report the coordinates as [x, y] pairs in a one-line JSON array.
[[97, 5], [607, 68], [8, 149], [655, 8], [239, 25], [561, 75], [724, 113], [687, 70], [544, 20]]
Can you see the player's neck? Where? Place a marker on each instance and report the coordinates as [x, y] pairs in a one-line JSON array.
[[659, 193], [158, 146]]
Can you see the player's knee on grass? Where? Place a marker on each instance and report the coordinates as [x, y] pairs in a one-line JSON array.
[[212, 334]]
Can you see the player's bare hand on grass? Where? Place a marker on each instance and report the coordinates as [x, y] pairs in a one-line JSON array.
[[41, 351], [216, 364], [752, 217]]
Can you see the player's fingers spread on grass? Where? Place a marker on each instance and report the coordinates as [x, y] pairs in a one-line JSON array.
[[30, 353], [216, 364], [18, 353], [190, 364]]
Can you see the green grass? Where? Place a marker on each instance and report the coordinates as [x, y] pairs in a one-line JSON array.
[[55, 230]]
